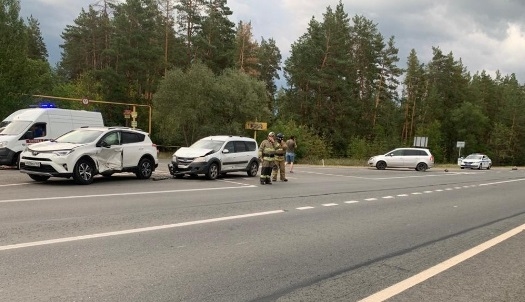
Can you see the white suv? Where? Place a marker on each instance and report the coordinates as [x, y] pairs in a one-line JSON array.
[[415, 158], [85, 152], [216, 155]]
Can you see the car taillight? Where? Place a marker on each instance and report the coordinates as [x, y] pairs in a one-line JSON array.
[[432, 158]]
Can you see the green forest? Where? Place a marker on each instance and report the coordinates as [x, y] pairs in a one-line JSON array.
[[347, 93]]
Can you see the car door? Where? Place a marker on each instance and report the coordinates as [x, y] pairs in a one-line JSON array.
[[395, 159], [243, 155], [133, 147], [228, 157], [109, 154], [410, 158]]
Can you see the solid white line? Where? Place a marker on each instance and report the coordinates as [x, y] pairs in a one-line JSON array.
[[395, 289], [304, 208], [21, 184], [133, 231], [501, 182], [329, 204], [124, 194]]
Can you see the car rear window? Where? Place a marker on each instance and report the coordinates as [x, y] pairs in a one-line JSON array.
[[132, 137]]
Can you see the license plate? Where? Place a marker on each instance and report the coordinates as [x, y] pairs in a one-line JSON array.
[[182, 166], [32, 163]]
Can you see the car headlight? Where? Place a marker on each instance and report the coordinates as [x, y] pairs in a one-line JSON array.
[[62, 152], [3, 144], [199, 159]]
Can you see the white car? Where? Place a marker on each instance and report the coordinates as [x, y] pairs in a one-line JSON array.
[[419, 159], [216, 155], [85, 152], [476, 161]]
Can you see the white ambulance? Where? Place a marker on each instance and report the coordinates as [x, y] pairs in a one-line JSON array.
[[33, 125]]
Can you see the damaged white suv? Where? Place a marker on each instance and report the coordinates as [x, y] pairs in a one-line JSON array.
[[85, 152]]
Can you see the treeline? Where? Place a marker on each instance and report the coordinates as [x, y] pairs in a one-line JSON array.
[[346, 95]]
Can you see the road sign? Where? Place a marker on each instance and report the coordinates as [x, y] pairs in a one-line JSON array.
[[256, 126], [85, 101], [460, 144], [134, 124], [127, 113], [134, 114]]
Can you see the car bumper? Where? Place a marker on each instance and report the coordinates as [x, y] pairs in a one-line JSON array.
[[193, 168], [46, 167]]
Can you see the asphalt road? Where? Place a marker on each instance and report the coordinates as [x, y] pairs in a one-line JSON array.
[[329, 234]]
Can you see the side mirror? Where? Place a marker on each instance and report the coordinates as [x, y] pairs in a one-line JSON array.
[[104, 144], [225, 151]]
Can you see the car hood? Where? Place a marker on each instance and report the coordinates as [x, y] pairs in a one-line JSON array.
[[52, 146], [192, 152]]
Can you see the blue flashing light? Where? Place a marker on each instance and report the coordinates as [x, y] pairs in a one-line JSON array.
[[46, 105]]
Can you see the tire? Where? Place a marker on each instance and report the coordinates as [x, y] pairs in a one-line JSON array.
[[16, 161], [213, 171], [145, 169], [38, 177], [480, 167], [83, 172], [490, 166], [253, 169], [179, 176], [381, 165], [421, 167]]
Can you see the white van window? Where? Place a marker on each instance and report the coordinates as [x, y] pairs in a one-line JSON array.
[[15, 128]]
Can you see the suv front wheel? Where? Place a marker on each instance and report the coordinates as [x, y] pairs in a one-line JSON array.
[[213, 171], [83, 172]]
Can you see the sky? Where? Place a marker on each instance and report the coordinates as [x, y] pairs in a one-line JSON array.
[[485, 34]]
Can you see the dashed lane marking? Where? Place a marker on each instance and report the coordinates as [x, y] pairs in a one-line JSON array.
[[304, 208], [329, 204]]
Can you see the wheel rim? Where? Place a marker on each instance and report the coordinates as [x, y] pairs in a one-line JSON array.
[[145, 169], [254, 169], [214, 171], [85, 171], [421, 167], [381, 165]]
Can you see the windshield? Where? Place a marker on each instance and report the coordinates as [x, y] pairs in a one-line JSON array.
[[4, 123], [208, 144], [474, 156], [15, 128], [83, 136]]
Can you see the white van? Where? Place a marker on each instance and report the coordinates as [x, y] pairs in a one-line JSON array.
[[33, 125]]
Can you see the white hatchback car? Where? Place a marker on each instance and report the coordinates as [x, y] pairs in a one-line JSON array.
[[216, 155], [419, 159], [476, 161], [85, 152]]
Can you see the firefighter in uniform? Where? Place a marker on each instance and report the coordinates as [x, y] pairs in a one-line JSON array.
[[266, 156], [280, 151]]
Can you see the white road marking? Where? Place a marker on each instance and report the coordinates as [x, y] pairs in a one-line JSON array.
[[352, 201], [502, 182], [449, 189], [439, 190], [388, 197], [428, 192], [371, 199], [402, 195], [329, 204], [395, 289], [417, 193], [125, 194], [305, 208], [20, 184], [134, 231], [457, 188]]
